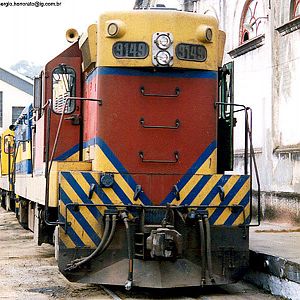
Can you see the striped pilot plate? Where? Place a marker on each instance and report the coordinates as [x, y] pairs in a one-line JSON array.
[[86, 224]]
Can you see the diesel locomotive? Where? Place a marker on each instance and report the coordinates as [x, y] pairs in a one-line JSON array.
[[125, 159]]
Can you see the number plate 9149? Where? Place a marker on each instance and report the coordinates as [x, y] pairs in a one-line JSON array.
[[130, 50], [191, 52]]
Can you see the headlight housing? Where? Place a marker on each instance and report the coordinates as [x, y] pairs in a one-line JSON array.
[[162, 49], [163, 41], [163, 58]]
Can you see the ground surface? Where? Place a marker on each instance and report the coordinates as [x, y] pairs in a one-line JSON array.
[[28, 271], [282, 240]]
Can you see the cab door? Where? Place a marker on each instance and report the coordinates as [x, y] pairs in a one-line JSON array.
[[226, 120], [62, 81]]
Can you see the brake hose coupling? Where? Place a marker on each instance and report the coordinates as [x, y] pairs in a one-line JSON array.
[[124, 215]]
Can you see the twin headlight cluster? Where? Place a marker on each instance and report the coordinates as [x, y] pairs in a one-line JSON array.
[[162, 49]]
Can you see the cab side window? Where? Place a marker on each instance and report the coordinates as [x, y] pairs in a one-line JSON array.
[[63, 86]]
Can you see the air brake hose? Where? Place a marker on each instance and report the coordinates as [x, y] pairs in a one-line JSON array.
[[112, 233], [79, 262], [128, 283], [203, 252], [208, 248]]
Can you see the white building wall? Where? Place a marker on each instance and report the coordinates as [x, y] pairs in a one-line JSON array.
[[267, 79], [12, 97], [286, 103]]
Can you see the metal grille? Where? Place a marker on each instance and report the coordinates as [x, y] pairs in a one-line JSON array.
[[59, 103]]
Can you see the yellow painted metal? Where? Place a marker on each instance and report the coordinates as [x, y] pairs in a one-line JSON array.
[[84, 211], [88, 46], [17, 203], [207, 188], [57, 167], [210, 165], [65, 238], [140, 25], [103, 164], [240, 219], [7, 138], [201, 196], [235, 201], [221, 46], [227, 187], [94, 223], [74, 157], [23, 151]]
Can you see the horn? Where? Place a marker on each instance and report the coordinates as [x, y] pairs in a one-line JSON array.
[[72, 35]]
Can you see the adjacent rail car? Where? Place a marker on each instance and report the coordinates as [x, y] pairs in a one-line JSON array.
[[125, 158], [6, 168]]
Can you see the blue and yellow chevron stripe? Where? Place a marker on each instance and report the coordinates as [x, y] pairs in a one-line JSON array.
[[225, 197]]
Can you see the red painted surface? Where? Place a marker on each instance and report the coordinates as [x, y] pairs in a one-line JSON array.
[[117, 122], [70, 134]]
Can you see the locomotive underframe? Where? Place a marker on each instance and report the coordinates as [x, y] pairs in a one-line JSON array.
[[187, 267]]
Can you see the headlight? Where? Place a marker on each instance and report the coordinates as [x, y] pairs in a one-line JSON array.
[[162, 49], [163, 58], [163, 42]]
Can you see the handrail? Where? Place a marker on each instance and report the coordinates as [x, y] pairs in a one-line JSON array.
[[49, 161], [248, 137]]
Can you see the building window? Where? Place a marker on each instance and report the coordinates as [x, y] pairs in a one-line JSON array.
[[252, 21], [1, 109], [16, 112], [295, 9]]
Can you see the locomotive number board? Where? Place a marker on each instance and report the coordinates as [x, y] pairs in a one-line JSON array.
[[191, 52], [130, 50]]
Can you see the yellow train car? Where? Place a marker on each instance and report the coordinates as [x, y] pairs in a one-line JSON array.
[[7, 168]]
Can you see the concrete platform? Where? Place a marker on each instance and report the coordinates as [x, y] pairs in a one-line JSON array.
[[275, 259]]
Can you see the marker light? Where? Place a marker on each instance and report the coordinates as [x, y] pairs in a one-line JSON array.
[[112, 29], [204, 34], [208, 34], [115, 28]]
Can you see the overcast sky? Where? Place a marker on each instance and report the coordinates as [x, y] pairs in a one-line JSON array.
[[37, 34]]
